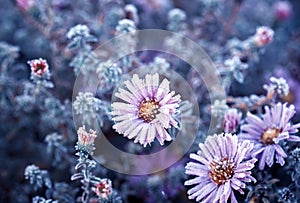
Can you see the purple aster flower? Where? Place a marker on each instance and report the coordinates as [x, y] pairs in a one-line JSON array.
[[222, 168], [147, 111], [267, 131]]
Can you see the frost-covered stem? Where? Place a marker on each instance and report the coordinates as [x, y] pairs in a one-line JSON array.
[[126, 63], [86, 183], [226, 82]]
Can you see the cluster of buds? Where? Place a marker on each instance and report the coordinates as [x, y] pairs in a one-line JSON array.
[[78, 31], [278, 86], [125, 26], [86, 104], [85, 140]]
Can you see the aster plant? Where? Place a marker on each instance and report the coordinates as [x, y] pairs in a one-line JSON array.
[[222, 166], [266, 133], [146, 111], [95, 189]]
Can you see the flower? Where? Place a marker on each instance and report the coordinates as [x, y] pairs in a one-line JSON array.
[[221, 168], [282, 10], [103, 189], [148, 109], [232, 119], [263, 36], [85, 140], [266, 133], [39, 67]]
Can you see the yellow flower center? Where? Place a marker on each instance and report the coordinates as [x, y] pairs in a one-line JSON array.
[[268, 135], [221, 170], [148, 110]]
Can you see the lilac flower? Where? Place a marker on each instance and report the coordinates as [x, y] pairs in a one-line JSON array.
[[266, 133], [232, 119], [221, 168], [147, 110]]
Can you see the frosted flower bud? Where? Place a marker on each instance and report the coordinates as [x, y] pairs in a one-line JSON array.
[[280, 86], [176, 15], [125, 26], [78, 30], [131, 13], [232, 119], [282, 10], [86, 140], [39, 67], [103, 189], [263, 36]]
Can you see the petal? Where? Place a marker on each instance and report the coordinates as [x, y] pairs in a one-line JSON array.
[[205, 191], [162, 90], [199, 158], [279, 150], [270, 150], [232, 197], [294, 138], [197, 180], [262, 160]]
